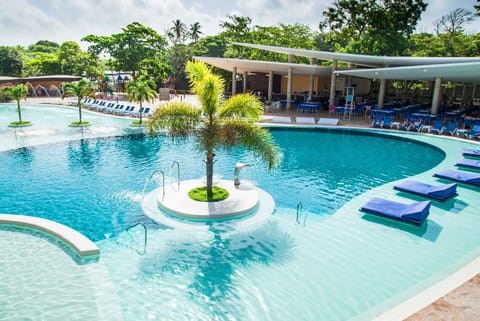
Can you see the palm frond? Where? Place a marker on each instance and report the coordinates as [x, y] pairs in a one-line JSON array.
[[242, 106], [252, 137], [179, 119]]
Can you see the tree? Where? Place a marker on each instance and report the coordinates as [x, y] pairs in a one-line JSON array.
[[129, 48], [17, 93], [80, 89], [477, 7], [226, 123], [43, 64], [72, 60], [140, 91], [379, 27], [11, 62], [454, 21], [177, 32], [45, 46], [195, 31]]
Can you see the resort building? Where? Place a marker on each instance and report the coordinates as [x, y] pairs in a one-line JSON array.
[[327, 83]]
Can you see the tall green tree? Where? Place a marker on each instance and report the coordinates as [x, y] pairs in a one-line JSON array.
[[177, 33], [17, 93], [378, 27], [195, 31], [11, 61], [79, 89], [130, 48], [140, 91], [45, 46], [226, 123], [73, 61], [477, 7]]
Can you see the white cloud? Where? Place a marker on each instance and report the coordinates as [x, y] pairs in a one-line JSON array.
[[23, 22]]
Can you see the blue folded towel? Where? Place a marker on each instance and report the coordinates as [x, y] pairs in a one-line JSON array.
[[441, 192], [471, 152], [459, 176], [415, 213], [471, 163]]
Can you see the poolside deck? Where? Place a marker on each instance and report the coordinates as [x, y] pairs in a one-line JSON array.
[[461, 303]]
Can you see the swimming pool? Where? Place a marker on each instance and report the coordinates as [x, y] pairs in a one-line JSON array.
[[338, 264]]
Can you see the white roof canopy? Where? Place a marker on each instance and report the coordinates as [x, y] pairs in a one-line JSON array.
[[364, 60], [257, 66], [457, 72]]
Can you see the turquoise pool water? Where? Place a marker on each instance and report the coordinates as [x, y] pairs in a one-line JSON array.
[[337, 264]]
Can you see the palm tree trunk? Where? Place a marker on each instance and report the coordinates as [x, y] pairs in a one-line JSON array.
[[19, 112], [140, 112], [209, 164], [79, 110]]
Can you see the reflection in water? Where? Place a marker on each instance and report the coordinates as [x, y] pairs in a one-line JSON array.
[[23, 155], [83, 154], [214, 264]]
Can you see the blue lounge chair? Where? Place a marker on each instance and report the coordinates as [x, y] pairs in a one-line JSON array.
[[471, 152], [459, 176], [387, 121], [451, 128], [437, 127], [470, 163], [474, 133], [415, 213], [441, 193]]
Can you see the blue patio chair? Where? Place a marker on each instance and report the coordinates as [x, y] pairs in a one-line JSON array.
[[377, 121], [440, 192], [473, 133]]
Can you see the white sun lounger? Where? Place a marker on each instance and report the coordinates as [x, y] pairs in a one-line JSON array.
[[282, 119], [305, 120], [328, 121]]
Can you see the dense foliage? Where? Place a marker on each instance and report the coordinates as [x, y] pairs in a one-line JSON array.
[[379, 27]]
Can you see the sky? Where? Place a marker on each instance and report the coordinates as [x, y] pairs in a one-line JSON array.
[[24, 22]]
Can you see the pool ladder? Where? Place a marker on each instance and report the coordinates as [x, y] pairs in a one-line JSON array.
[[178, 173], [145, 235], [299, 210]]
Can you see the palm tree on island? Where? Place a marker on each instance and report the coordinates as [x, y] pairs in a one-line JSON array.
[[79, 89], [17, 93], [226, 123], [140, 91]]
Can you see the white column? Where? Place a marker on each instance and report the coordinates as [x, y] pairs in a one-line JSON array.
[[245, 75], [381, 93], [331, 100], [313, 61], [270, 85], [289, 87], [349, 78], [437, 91], [234, 81], [291, 59]]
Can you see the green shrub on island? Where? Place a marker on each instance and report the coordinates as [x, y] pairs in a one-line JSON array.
[[200, 194], [21, 123], [80, 123], [138, 122]]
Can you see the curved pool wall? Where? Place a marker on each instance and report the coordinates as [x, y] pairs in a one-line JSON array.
[[268, 271]]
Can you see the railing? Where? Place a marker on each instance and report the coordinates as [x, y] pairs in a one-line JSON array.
[[178, 173], [299, 208], [150, 178], [145, 234]]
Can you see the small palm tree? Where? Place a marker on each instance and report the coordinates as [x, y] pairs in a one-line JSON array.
[[17, 93], [226, 123], [141, 90], [79, 89]]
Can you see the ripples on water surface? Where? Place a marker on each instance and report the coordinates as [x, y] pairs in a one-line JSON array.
[[276, 272]]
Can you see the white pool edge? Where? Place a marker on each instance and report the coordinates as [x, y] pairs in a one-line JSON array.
[[431, 294], [73, 239]]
